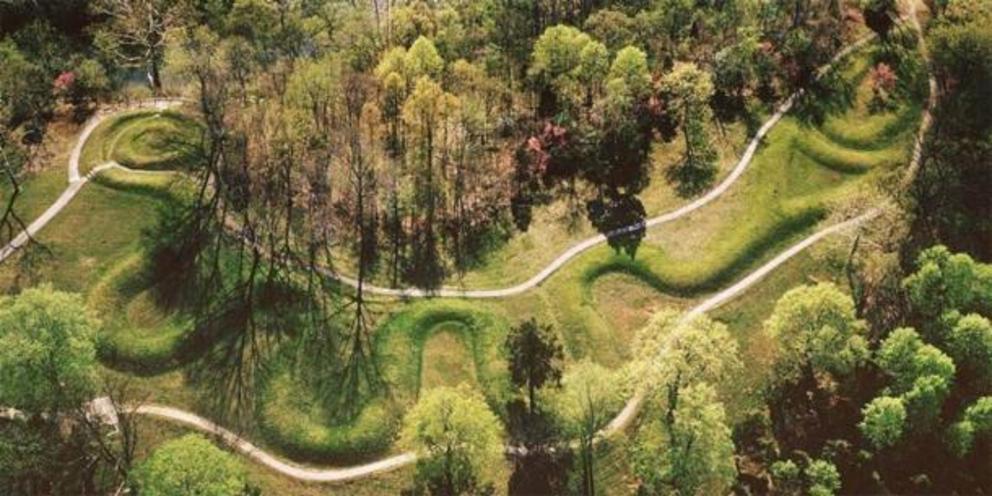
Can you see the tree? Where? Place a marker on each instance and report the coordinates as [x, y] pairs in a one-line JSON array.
[[457, 439], [673, 354], [594, 63], [535, 358], [689, 90], [135, 32], [817, 477], [970, 343], [949, 206], [816, 331], [884, 421], [427, 112], [946, 281], [976, 421], [555, 64], [190, 465], [824, 480], [695, 455], [47, 351], [631, 66], [25, 94], [585, 403], [422, 60], [904, 357], [614, 28], [880, 16]]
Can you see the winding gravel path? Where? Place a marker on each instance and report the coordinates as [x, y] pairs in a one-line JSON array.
[[627, 414], [76, 181]]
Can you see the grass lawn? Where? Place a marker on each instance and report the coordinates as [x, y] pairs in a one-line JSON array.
[[596, 303], [144, 139], [559, 225], [446, 359], [42, 185]]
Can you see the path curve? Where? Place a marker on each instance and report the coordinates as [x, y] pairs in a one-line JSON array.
[[626, 415], [625, 418], [582, 246], [77, 181], [344, 474]]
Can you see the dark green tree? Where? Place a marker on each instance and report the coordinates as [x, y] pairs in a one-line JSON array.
[[535, 358]]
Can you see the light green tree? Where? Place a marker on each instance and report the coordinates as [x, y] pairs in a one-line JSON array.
[[631, 67], [585, 403], [689, 90], [816, 331], [556, 63], [458, 441], [190, 465], [422, 60], [921, 375], [944, 281], [884, 421], [672, 354], [970, 343], [47, 351], [314, 89], [594, 63], [823, 478], [905, 358], [818, 477], [976, 421], [692, 455]]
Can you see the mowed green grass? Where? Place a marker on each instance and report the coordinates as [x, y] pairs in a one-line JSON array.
[[557, 226], [149, 140], [415, 347], [49, 177], [596, 303]]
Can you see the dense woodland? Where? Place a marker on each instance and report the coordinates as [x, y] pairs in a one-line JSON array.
[[400, 142]]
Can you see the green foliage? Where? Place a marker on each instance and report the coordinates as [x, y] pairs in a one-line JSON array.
[[884, 421], [423, 60], [922, 375], [24, 88], [818, 477], [944, 281], [976, 421], [823, 477], [786, 475], [561, 63], [557, 53], [816, 330], [594, 63], [535, 357], [630, 67], [905, 358], [693, 455], [587, 400], [925, 400], [960, 438], [970, 343], [614, 28], [457, 438], [672, 354], [47, 351], [689, 90], [190, 465]]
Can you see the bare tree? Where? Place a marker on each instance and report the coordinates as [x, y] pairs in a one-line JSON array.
[[135, 31]]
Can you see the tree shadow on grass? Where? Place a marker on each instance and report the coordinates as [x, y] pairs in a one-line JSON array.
[[233, 344], [829, 95]]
